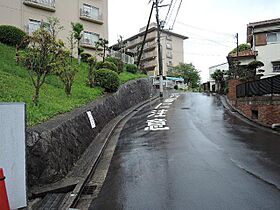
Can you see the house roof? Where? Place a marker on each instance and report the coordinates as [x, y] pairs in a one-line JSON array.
[[264, 23], [245, 53], [217, 65], [260, 24]]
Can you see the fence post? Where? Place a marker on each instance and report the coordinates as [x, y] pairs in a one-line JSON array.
[[272, 86]]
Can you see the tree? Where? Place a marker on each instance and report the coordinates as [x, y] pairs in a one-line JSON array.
[[66, 70], [241, 48], [53, 26], [104, 44], [77, 33], [91, 67], [218, 76], [252, 69], [235, 69], [40, 58], [188, 72]]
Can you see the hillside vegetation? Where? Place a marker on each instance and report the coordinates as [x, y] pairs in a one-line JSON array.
[[16, 86]]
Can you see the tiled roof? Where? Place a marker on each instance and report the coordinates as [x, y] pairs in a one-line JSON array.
[[265, 22], [246, 53]]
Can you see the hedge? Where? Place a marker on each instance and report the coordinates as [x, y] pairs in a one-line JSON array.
[[106, 65], [132, 68], [11, 35], [117, 62], [107, 79]]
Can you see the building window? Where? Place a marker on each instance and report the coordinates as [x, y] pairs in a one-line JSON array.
[[33, 26], [169, 46], [91, 11], [169, 37], [169, 54], [90, 38], [276, 67], [169, 63], [273, 37]]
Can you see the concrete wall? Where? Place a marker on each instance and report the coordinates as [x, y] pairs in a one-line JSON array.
[[54, 146]]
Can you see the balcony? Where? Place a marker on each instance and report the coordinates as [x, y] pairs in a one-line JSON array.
[[90, 16], [88, 43], [149, 66], [48, 5], [149, 56]]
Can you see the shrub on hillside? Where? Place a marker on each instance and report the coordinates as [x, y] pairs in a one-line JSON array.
[[11, 35], [106, 65], [85, 57], [132, 68], [117, 62], [107, 79]]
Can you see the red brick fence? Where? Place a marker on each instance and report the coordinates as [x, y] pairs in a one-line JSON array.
[[264, 109]]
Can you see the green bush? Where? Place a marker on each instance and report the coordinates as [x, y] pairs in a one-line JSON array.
[[11, 35], [132, 68], [106, 65], [107, 79], [85, 56], [117, 62]]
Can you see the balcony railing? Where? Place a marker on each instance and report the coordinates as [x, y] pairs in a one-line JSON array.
[[125, 58], [88, 43], [149, 55], [90, 16], [48, 5]]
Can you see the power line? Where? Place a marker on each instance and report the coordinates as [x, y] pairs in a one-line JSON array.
[[206, 55], [172, 11], [168, 11], [204, 29], [176, 14]]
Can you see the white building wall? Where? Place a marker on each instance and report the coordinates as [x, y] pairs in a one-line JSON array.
[[267, 54], [222, 67]]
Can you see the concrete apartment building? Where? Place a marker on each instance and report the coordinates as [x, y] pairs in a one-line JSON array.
[[172, 49], [28, 15], [264, 37]]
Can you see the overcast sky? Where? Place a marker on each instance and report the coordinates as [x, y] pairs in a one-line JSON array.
[[211, 25]]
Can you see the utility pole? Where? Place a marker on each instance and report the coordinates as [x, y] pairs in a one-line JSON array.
[[237, 51], [159, 51], [145, 36]]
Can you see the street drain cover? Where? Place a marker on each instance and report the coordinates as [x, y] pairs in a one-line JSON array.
[[186, 108], [89, 190]]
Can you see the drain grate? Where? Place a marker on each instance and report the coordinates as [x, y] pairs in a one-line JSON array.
[[89, 190], [51, 202], [185, 108]]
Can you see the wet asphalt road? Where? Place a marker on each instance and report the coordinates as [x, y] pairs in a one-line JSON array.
[[208, 159]]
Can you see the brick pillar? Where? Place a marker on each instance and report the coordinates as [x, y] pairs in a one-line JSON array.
[[232, 90]]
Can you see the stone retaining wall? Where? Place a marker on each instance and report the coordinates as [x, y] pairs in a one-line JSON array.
[[53, 147]]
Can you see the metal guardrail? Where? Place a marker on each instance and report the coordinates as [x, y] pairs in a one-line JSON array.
[[267, 86]]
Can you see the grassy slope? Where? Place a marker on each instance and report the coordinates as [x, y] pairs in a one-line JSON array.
[[15, 86]]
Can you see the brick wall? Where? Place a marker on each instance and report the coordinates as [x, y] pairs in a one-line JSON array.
[[232, 90], [265, 108]]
